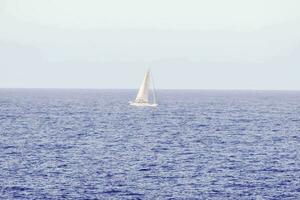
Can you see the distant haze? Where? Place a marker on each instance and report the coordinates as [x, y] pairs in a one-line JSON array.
[[192, 44]]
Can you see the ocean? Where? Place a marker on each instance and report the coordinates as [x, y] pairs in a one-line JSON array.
[[197, 144]]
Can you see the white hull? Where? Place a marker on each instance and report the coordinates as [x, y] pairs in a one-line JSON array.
[[142, 104]]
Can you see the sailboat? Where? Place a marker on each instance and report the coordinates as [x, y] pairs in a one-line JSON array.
[[142, 98]]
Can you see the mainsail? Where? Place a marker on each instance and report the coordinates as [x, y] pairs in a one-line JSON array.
[[142, 98], [143, 94]]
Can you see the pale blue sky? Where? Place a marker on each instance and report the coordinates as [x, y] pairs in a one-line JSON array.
[[190, 44]]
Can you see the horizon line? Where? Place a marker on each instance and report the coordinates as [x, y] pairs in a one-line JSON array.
[[204, 89]]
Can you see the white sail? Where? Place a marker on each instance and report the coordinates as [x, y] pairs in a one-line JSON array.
[[142, 98], [143, 94]]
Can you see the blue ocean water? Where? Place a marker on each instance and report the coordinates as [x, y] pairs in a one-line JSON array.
[[90, 144]]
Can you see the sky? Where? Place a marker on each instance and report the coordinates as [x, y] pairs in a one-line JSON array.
[[191, 44]]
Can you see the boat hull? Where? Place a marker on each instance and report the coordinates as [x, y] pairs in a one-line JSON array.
[[143, 104]]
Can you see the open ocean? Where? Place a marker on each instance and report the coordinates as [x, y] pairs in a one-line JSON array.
[[90, 144]]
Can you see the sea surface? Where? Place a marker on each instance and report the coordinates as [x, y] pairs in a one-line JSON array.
[[90, 144]]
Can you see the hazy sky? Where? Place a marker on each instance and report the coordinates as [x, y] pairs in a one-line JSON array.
[[195, 44]]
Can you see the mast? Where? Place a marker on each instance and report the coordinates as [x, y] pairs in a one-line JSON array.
[[154, 90]]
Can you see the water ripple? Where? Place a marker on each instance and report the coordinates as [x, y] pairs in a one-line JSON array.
[[89, 144]]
